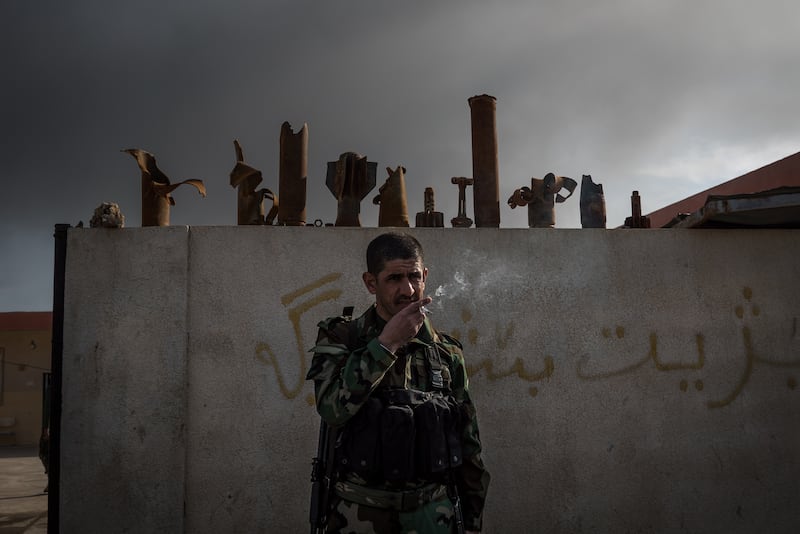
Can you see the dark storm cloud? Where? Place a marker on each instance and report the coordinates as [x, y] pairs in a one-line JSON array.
[[665, 97]]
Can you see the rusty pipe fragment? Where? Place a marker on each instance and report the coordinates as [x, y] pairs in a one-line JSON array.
[[391, 198], [430, 218], [157, 189], [541, 198], [593, 204], [461, 220], [249, 202], [293, 175], [485, 170], [350, 179]]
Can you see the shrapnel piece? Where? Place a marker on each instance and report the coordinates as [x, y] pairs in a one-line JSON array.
[[391, 198], [461, 220], [249, 201], [637, 220], [541, 198], [430, 218], [157, 189], [593, 204], [293, 175], [350, 179]]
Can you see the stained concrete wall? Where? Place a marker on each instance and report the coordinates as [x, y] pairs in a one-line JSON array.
[[626, 380]]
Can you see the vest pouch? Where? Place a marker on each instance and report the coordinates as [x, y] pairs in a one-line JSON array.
[[361, 453], [397, 443], [453, 429], [432, 454]]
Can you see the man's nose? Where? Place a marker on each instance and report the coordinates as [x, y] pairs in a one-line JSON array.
[[407, 287]]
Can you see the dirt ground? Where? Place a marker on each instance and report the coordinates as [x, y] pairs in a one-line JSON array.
[[23, 502]]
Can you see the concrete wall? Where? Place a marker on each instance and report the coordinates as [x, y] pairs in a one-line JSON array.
[[626, 380]]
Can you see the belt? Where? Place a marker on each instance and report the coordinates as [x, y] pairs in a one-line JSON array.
[[402, 500]]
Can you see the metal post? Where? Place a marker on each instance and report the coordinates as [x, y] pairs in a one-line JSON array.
[[56, 358]]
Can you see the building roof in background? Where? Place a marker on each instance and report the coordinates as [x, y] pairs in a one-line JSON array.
[[11, 321], [775, 208], [782, 173]]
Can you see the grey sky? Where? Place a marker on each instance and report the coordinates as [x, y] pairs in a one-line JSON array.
[[665, 97]]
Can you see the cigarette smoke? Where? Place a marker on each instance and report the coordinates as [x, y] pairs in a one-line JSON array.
[[489, 279]]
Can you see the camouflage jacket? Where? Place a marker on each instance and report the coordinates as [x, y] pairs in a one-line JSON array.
[[349, 364]]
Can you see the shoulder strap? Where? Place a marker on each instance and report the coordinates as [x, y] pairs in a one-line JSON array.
[[352, 327]]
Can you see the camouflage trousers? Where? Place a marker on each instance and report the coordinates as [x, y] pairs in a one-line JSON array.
[[435, 517]]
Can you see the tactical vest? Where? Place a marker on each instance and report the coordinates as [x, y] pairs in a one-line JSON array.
[[402, 435]]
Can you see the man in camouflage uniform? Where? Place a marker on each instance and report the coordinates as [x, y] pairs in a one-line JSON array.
[[360, 369]]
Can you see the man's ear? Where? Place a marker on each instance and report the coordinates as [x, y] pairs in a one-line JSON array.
[[370, 281]]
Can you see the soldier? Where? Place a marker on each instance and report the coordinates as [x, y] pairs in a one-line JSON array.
[[408, 452]]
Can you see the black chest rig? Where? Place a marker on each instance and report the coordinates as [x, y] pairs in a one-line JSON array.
[[406, 434]]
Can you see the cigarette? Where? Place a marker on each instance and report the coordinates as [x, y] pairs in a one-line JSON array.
[[425, 310]]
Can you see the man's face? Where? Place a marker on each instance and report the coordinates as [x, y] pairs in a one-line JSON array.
[[399, 283]]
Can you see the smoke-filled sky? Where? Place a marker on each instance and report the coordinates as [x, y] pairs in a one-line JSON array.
[[665, 97]]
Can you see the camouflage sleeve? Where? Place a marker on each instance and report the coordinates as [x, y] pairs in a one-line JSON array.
[[472, 477], [344, 378]]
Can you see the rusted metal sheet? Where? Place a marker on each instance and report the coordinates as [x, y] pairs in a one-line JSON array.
[[485, 170], [461, 220], [593, 204], [391, 198], [249, 201], [293, 175], [541, 198], [350, 179], [430, 218], [157, 189]]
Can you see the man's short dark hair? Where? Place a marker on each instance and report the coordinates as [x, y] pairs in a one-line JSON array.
[[391, 246]]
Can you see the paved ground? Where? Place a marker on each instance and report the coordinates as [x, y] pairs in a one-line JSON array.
[[23, 503]]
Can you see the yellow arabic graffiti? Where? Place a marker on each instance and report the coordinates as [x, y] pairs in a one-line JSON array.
[[504, 333], [749, 352], [751, 358], [652, 355], [295, 313], [501, 339]]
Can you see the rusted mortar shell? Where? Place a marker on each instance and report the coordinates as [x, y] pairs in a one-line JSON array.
[[485, 171], [155, 207], [541, 207], [636, 205], [350, 179], [392, 199], [249, 202], [461, 220], [156, 189], [293, 175], [553, 184], [637, 220], [430, 218], [593, 204]]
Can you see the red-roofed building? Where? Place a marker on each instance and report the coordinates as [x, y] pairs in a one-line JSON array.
[[782, 173], [25, 346]]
